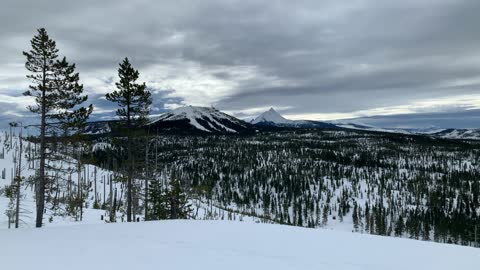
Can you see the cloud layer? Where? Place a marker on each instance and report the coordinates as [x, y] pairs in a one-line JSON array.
[[311, 59]]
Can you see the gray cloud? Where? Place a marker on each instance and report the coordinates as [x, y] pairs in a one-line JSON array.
[[313, 58]]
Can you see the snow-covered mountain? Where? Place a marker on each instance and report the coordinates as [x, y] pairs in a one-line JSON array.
[[361, 126], [273, 118], [452, 133], [199, 119], [426, 130], [194, 119]]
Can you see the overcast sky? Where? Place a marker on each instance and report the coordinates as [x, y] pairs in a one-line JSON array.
[[402, 63]]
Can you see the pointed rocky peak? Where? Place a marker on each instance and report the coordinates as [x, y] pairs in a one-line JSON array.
[[271, 116]]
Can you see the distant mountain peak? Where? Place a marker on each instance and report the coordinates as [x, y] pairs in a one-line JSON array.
[[274, 119], [271, 116]]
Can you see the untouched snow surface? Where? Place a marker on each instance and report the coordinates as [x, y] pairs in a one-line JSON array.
[[221, 245]]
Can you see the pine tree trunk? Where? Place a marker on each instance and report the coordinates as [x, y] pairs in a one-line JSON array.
[[95, 182], [17, 203], [104, 187], [146, 179], [112, 206], [80, 191], [129, 182], [130, 165], [40, 187]]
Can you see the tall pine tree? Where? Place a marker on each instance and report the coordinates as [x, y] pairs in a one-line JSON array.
[[58, 97], [134, 101], [40, 62]]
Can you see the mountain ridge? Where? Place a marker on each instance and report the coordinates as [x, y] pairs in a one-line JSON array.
[[209, 120], [199, 119]]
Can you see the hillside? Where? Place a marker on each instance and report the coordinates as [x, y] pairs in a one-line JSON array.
[[100, 187], [348, 180], [222, 245], [435, 132], [380, 183], [466, 134]]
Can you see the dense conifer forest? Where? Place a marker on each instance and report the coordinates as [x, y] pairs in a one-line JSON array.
[[378, 183]]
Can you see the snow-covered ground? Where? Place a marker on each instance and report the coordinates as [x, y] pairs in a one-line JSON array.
[[27, 202], [221, 245]]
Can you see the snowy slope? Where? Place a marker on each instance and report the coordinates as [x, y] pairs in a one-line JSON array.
[[27, 203], [464, 134], [361, 126], [202, 119], [92, 175], [221, 245], [426, 131]]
